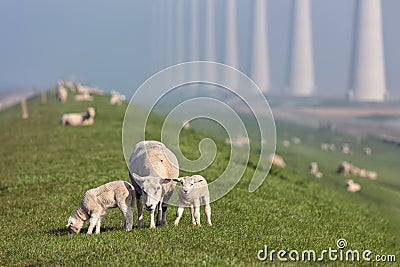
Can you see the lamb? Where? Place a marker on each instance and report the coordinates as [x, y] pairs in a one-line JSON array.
[[344, 168], [193, 191], [152, 166], [345, 148], [313, 167], [353, 187], [96, 201], [286, 143], [75, 119]]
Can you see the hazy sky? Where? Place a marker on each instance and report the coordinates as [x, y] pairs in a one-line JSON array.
[[118, 44]]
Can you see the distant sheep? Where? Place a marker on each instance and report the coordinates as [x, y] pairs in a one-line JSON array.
[[313, 167], [277, 160], [116, 98], [353, 187], [192, 193], [286, 143], [96, 201], [345, 148], [344, 168], [75, 119], [367, 151], [151, 167], [83, 97], [62, 94], [238, 141], [296, 140]]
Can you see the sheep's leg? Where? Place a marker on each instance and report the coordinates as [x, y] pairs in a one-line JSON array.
[[207, 209], [152, 223], [139, 205], [160, 212], [197, 212], [179, 213], [165, 201], [92, 223], [192, 213], [98, 224]]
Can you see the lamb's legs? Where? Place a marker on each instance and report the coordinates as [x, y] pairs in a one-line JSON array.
[[192, 213], [160, 213], [139, 205], [196, 215], [92, 224], [179, 213], [98, 224], [207, 211]]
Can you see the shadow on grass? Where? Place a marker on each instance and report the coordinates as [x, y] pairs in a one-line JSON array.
[[64, 231]]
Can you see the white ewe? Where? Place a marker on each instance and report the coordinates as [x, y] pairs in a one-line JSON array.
[[192, 193], [149, 164], [62, 94], [96, 201], [83, 97], [75, 119]]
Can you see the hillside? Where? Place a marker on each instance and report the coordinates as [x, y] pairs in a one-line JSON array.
[[46, 168]]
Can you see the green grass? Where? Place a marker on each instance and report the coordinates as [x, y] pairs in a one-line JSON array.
[[46, 168]]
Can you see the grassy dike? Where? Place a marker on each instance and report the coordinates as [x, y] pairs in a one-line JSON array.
[[45, 169]]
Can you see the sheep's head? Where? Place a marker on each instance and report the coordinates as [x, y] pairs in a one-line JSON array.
[[188, 182], [91, 111], [151, 189], [74, 225]]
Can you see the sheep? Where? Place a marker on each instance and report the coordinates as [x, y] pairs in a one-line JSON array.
[[296, 140], [83, 97], [372, 175], [151, 167], [186, 125], [344, 168], [313, 167], [286, 143], [351, 186], [75, 119], [324, 146], [116, 98], [62, 94], [345, 148], [192, 192], [277, 160], [332, 147], [367, 151], [96, 201], [238, 141], [319, 174]]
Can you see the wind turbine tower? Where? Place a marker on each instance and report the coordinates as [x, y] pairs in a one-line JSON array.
[[260, 68], [301, 66], [368, 82]]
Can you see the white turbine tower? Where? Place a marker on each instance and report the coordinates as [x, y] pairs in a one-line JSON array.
[[368, 68], [231, 56], [259, 67], [301, 66]]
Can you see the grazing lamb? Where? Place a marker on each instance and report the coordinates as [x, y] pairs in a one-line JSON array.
[[193, 192], [152, 166], [75, 119], [372, 175], [351, 186], [96, 201], [296, 140], [345, 148], [286, 143], [62, 94]]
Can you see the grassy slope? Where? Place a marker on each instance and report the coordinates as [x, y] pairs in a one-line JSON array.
[[46, 168]]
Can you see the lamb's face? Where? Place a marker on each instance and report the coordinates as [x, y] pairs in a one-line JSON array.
[[152, 192], [187, 185], [74, 226], [91, 111]]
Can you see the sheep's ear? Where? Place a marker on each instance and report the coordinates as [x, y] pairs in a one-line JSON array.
[[137, 178], [198, 179]]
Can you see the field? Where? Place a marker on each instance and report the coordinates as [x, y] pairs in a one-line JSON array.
[[46, 168]]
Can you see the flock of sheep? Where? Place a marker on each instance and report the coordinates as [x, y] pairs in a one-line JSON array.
[[83, 93], [344, 168], [154, 173]]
